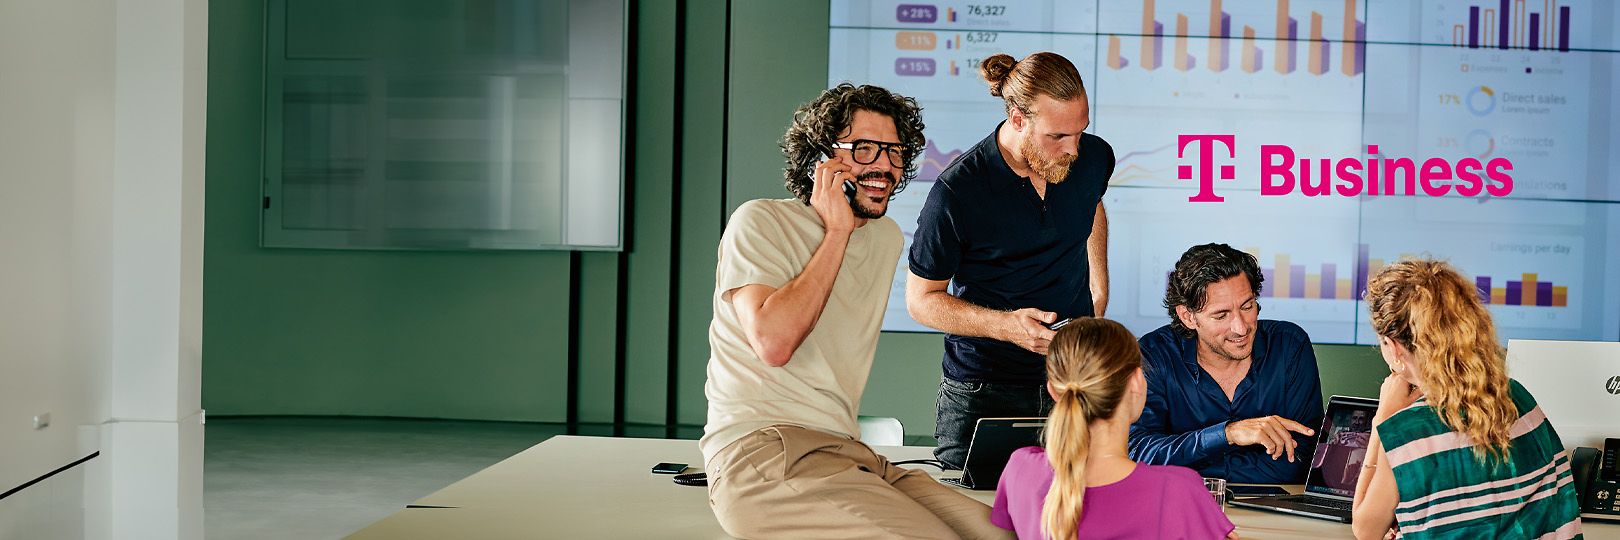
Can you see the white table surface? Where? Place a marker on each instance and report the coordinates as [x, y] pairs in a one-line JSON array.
[[601, 487]]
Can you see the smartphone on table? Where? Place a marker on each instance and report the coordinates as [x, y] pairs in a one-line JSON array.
[[669, 468]]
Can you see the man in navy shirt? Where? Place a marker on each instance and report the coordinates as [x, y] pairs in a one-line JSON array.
[[1015, 227], [1228, 394]]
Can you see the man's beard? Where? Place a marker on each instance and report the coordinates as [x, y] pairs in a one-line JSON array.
[[862, 199], [1052, 170], [1221, 348]]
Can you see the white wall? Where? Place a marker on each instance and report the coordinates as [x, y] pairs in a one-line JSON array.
[[45, 510], [56, 163], [101, 190]]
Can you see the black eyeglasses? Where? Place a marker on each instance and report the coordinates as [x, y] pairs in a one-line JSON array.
[[866, 151]]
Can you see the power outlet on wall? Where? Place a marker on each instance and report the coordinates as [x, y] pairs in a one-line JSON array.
[[42, 421]]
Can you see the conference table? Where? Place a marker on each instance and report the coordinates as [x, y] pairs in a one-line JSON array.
[[602, 487]]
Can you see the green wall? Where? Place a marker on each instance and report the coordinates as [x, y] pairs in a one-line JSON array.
[[486, 335], [470, 335], [289, 331]]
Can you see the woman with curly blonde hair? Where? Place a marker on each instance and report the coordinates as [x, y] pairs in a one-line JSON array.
[[1458, 450]]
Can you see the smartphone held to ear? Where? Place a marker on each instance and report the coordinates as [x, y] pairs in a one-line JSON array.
[[850, 190]]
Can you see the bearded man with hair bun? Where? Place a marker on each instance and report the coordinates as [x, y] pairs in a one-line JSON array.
[[1013, 237]]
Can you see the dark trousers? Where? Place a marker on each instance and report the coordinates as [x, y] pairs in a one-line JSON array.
[[961, 404]]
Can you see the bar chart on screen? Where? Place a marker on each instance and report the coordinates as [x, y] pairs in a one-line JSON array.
[[1167, 67], [1543, 268], [1536, 25], [1298, 36], [1151, 228]]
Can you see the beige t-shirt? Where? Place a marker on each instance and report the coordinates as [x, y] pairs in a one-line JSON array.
[[768, 242]]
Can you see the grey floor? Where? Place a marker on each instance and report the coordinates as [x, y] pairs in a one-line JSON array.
[[325, 478], [314, 478]]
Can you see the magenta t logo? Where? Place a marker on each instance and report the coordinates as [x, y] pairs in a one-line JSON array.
[[1206, 164]]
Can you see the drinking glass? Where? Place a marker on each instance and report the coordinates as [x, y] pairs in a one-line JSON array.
[[1217, 489]]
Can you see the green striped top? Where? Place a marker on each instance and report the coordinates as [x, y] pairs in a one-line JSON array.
[[1448, 492]]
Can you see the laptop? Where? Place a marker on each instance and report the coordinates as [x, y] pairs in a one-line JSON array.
[[993, 443], [1577, 383], [1330, 484]]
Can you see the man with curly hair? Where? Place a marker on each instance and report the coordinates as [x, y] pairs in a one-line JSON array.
[[1229, 394], [799, 297]]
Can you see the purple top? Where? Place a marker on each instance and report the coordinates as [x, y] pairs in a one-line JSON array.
[[1154, 501]]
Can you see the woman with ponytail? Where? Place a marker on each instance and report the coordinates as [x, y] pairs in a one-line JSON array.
[[1458, 449], [1083, 484]]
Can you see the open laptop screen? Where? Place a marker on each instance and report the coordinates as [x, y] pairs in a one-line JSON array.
[[1341, 446], [994, 441]]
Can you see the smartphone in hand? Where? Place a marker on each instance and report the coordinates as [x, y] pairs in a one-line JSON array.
[[850, 190], [1060, 324]]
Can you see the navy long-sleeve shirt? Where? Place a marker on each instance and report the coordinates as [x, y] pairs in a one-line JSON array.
[[1184, 420]]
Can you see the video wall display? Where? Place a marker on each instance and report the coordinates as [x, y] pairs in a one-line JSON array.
[[1533, 82]]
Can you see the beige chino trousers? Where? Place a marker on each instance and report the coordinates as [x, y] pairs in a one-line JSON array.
[[791, 482]]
